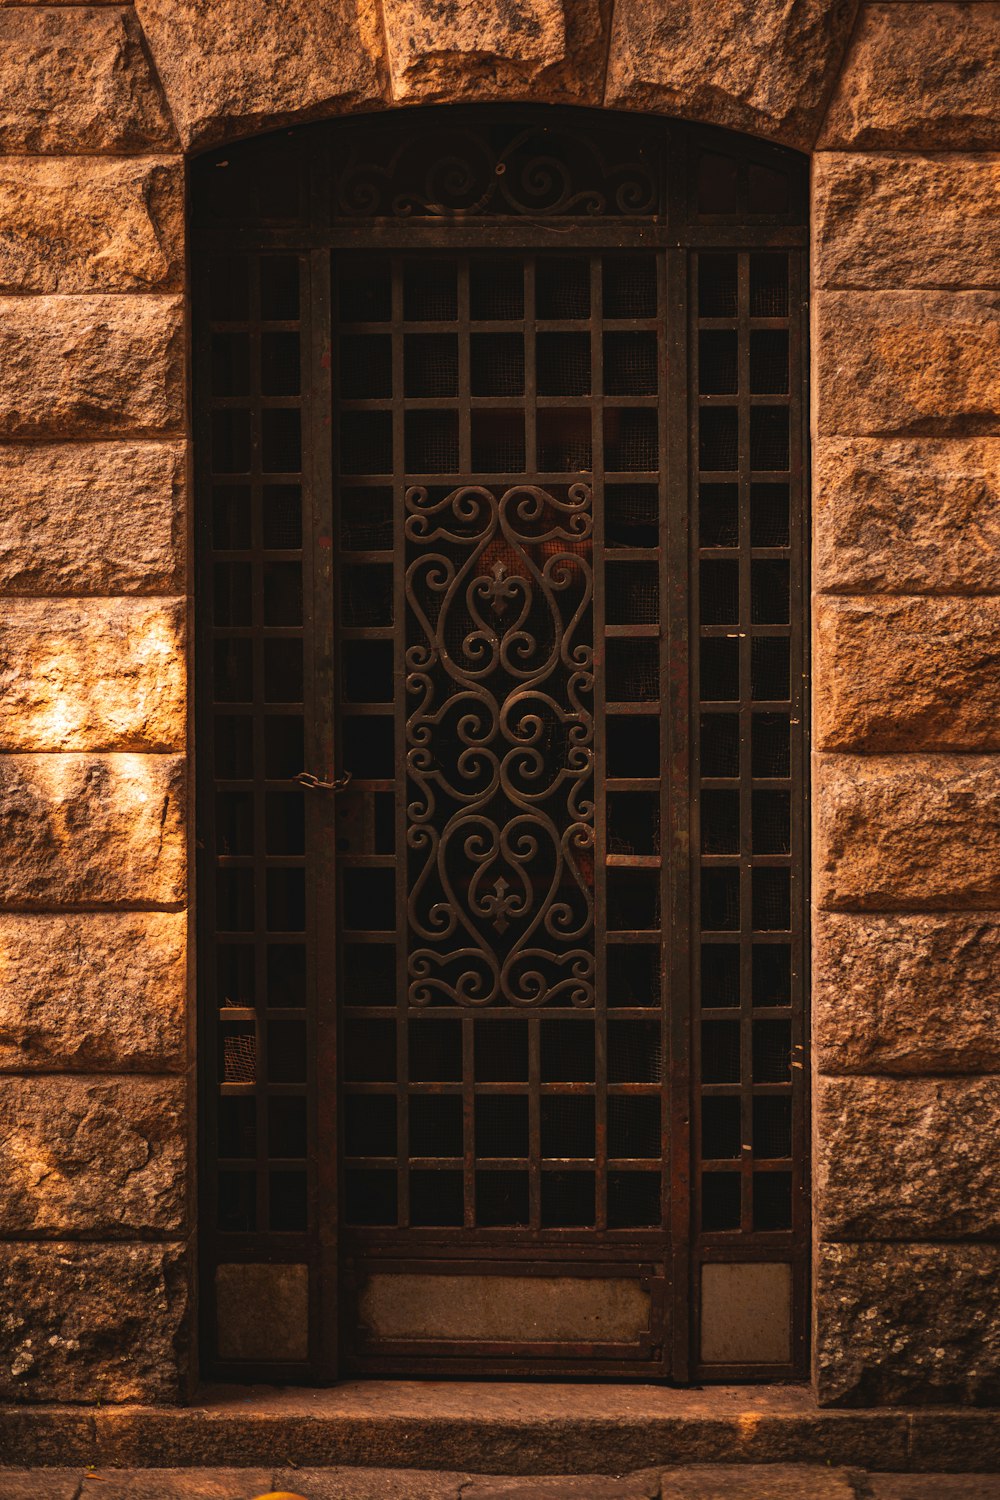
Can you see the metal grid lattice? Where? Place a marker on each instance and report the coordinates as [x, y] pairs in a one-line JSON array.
[[748, 617]]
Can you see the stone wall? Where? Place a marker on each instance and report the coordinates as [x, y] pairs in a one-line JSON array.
[[98, 105], [95, 1061], [906, 998]]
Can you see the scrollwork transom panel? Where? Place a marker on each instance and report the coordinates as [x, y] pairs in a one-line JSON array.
[[539, 171]]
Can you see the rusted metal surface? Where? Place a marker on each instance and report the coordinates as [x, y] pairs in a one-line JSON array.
[[459, 609], [262, 1312], [746, 1314], [505, 1309]]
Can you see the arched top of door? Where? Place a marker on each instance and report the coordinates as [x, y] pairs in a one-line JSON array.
[[542, 169], [241, 67]]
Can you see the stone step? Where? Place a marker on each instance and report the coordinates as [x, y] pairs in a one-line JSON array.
[[501, 1428]]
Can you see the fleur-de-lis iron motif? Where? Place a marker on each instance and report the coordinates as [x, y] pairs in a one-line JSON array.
[[500, 589], [499, 904]]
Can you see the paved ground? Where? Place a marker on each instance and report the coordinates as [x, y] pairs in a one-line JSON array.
[[697, 1482]]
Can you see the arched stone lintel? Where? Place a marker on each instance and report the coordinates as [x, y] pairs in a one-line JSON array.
[[233, 68]]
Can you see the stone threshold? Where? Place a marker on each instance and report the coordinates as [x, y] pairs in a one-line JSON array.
[[501, 1428]]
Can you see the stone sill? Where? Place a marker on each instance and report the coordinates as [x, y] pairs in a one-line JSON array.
[[501, 1428]]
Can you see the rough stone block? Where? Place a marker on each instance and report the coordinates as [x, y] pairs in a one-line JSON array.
[[177, 1484], [907, 1324], [934, 1486], [371, 1484], [29, 1436], [91, 224], [775, 1482], [908, 364], [101, 991], [907, 1158], [236, 67], [86, 1322], [893, 221], [906, 673], [645, 1486], [906, 994], [91, 518], [923, 76], [76, 79], [766, 69], [907, 832], [92, 830], [44, 1484], [92, 674], [98, 1157], [907, 517], [90, 366], [33, 1484], [537, 49], [961, 1442]]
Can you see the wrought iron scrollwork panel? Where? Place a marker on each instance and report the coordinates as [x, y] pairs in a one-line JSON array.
[[541, 171], [500, 746]]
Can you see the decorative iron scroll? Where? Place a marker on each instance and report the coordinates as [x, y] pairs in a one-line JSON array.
[[500, 746], [541, 171]]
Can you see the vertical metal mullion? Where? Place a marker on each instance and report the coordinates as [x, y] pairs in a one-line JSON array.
[[204, 895], [468, 1024], [464, 371], [679, 543], [746, 728], [600, 798], [664, 435], [530, 369], [322, 955], [798, 615], [259, 821], [399, 725], [533, 1023]]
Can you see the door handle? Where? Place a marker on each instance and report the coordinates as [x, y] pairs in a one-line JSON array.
[[314, 784]]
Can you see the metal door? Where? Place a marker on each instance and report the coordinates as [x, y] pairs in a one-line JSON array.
[[501, 768]]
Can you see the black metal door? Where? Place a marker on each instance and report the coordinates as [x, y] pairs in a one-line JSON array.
[[497, 421]]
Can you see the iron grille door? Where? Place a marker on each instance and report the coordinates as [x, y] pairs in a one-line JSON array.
[[500, 452], [501, 738]]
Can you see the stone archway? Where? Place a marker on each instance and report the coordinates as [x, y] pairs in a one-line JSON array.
[[236, 69]]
